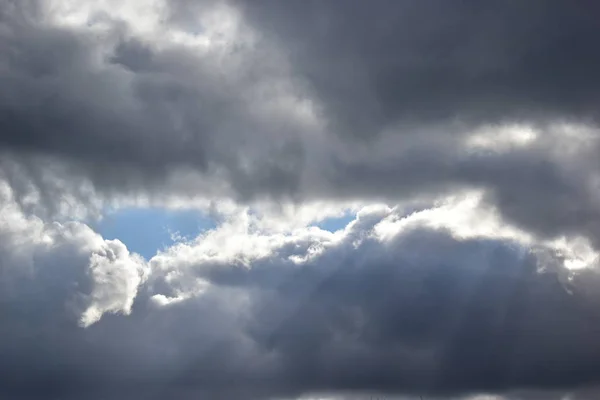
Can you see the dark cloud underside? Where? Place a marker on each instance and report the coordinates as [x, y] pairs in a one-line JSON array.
[[423, 313]]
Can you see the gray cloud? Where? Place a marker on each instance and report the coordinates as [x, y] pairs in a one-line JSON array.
[[387, 62], [298, 100], [126, 111], [273, 106], [421, 312]]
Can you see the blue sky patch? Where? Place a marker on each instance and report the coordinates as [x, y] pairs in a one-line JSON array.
[[336, 223], [147, 230]]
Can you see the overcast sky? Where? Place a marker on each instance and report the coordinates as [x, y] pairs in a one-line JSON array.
[[299, 199]]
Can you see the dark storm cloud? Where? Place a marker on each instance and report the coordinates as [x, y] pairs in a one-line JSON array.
[[383, 62], [130, 113], [423, 313], [125, 112], [58, 100]]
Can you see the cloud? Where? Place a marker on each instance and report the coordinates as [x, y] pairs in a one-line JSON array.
[[462, 135], [116, 96], [378, 64], [79, 269], [306, 102], [400, 302]]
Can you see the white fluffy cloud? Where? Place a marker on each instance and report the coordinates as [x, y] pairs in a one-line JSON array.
[[102, 276]]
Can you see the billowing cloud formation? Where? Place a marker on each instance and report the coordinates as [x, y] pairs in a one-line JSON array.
[[97, 275], [271, 116], [309, 100], [399, 302]]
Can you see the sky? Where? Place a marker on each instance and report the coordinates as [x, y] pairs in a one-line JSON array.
[[300, 199], [148, 230]]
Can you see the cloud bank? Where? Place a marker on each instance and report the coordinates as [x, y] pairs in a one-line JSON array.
[[463, 136]]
